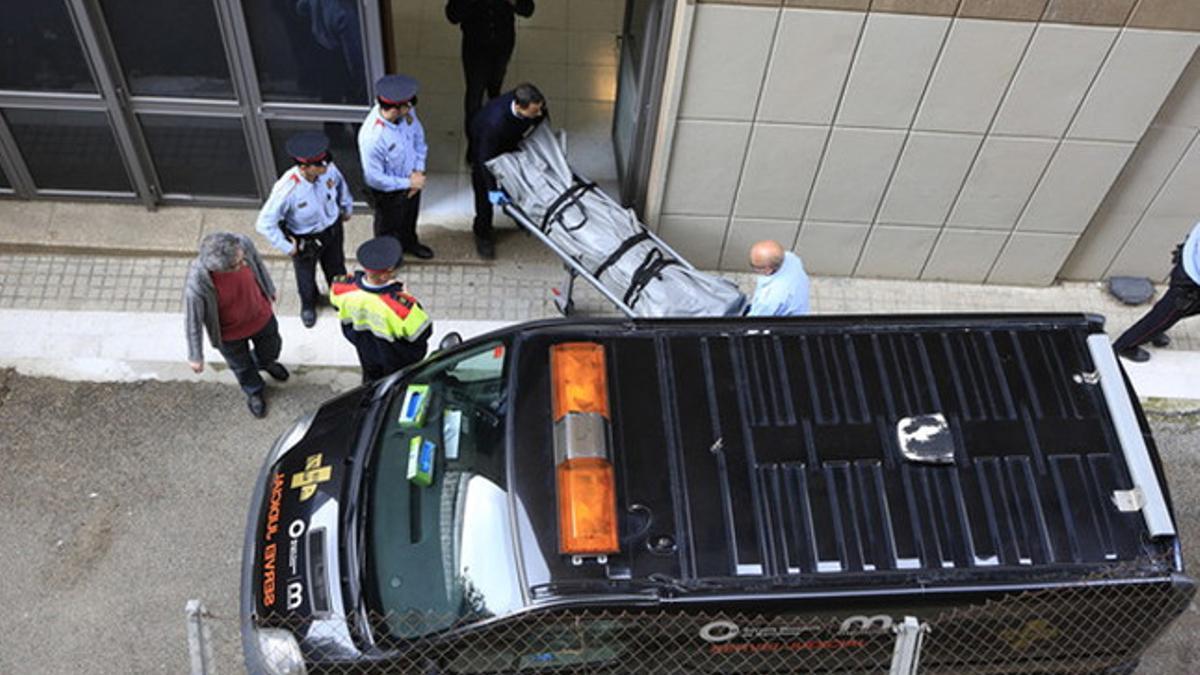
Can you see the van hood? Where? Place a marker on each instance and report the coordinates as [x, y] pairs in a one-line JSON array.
[[292, 544]]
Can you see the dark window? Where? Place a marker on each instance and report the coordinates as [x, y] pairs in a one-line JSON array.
[[343, 143], [307, 50], [186, 60], [200, 155], [69, 149], [39, 49]]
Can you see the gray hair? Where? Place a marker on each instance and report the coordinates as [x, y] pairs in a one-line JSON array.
[[219, 251]]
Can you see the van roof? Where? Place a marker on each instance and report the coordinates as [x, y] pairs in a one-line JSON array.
[[752, 452]]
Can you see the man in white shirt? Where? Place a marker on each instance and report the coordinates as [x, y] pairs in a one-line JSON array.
[[1181, 300], [782, 287]]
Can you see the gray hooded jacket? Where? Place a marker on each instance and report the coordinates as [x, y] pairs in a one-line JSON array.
[[200, 300]]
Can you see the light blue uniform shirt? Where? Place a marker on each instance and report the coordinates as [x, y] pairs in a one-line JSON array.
[[1191, 254], [391, 151], [784, 293], [305, 207]]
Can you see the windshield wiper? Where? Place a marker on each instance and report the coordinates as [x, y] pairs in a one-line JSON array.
[[355, 523]]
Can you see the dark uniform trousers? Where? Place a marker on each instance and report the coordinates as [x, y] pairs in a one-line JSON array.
[[396, 215], [483, 208], [379, 358], [1181, 300], [249, 355], [484, 67], [330, 255]]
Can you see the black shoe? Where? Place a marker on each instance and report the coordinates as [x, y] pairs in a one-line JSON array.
[[278, 372], [308, 317], [1136, 354], [419, 250], [486, 248], [257, 405], [1160, 340]]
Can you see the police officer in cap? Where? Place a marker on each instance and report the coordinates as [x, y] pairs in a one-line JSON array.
[[387, 326], [303, 216], [392, 147]]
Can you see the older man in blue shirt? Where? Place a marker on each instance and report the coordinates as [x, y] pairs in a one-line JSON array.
[[303, 217], [1181, 300], [782, 287], [391, 144]]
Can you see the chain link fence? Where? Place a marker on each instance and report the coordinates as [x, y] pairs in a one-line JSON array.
[[1100, 624]]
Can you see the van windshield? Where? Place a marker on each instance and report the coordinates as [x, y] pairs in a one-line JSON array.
[[439, 545]]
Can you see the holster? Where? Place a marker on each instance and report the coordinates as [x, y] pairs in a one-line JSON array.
[[307, 245]]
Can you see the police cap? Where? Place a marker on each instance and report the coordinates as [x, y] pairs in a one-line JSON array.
[[395, 89], [308, 147], [380, 253]]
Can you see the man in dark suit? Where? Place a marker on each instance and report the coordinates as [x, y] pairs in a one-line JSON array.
[[496, 129], [489, 35]]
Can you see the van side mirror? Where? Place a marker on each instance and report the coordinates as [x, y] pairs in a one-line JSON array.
[[449, 340]]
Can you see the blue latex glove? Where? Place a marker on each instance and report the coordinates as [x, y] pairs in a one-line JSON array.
[[497, 197]]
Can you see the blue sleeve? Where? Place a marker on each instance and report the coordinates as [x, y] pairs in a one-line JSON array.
[[1191, 255], [762, 304], [269, 216], [345, 199], [419, 144]]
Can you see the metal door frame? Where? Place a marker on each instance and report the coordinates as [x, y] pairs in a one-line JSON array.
[[635, 181]]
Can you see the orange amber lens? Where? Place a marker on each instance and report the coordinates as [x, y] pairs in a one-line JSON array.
[[587, 507], [579, 380]]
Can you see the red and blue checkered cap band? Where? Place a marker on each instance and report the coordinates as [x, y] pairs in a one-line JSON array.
[[315, 159]]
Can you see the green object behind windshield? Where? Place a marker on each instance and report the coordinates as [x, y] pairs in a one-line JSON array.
[[440, 554]]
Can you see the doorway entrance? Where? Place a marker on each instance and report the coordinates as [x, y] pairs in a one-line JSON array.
[[572, 50]]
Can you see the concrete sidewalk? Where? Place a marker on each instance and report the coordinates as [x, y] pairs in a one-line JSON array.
[[131, 230], [126, 267]]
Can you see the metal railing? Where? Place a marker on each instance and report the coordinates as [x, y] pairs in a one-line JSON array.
[[1100, 624]]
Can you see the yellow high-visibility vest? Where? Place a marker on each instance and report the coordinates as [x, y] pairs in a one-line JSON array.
[[390, 314]]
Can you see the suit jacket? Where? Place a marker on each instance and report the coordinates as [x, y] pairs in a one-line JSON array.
[[495, 130]]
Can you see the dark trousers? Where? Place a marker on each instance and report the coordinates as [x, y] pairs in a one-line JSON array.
[[331, 257], [249, 355], [396, 215], [1181, 300], [484, 67], [483, 208]]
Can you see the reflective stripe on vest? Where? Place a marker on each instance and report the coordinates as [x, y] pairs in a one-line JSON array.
[[388, 316]]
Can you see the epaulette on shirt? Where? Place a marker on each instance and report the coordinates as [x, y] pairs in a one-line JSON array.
[[342, 285], [400, 302]]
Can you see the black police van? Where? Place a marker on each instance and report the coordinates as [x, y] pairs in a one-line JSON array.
[[722, 496]]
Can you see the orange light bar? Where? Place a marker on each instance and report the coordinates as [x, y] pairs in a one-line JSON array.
[[579, 381], [587, 507]]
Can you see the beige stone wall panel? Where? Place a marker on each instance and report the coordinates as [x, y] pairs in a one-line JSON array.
[[1094, 12], [1012, 10], [926, 7], [1167, 14]]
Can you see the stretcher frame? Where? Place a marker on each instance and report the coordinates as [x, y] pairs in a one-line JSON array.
[[564, 301]]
